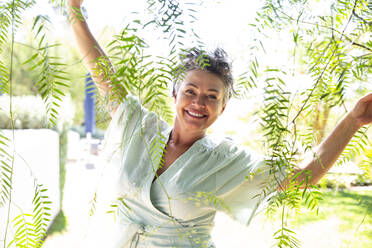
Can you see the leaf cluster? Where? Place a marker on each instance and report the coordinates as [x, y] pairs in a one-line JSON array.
[[52, 79], [30, 229]]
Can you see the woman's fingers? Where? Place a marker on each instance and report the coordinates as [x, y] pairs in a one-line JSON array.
[[362, 110]]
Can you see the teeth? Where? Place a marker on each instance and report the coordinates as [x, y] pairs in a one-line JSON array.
[[195, 114]]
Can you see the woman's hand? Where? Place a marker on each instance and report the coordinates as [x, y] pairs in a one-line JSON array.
[[75, 3], [362, 111]]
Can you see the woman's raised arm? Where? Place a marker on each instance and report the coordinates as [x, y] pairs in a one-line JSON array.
[[94, 57], [331, 148]]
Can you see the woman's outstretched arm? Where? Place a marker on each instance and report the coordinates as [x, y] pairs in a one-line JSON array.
[[94, 57], [332, 147]]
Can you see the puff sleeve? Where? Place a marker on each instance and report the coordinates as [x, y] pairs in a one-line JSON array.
[[124, 124], [249, 190]]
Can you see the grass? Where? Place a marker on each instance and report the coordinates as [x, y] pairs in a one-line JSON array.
[[59, 224], [352, 211]]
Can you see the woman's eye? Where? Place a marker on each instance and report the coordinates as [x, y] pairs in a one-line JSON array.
[[212, 97], [189, 91]]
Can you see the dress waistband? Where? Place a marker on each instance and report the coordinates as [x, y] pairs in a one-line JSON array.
[[191, 234]]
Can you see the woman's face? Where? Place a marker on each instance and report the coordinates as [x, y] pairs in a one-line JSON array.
[[199, 101]]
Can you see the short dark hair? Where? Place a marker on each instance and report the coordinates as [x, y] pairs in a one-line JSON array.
[[215, 62]]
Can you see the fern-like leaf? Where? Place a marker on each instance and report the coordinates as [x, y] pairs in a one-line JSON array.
[[6, 171], [41, 214], [356, 146], [24, 235]]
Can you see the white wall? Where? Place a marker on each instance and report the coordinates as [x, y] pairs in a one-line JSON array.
[[36, 158]]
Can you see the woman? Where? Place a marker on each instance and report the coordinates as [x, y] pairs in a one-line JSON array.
[[171, 201]]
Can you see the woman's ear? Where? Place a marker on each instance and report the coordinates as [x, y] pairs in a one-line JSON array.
[[223, 108], [174, 93]]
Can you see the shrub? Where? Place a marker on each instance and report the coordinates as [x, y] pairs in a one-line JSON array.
[[29, 113]]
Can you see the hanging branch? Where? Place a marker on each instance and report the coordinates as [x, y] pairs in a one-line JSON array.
[[13, 9], [52, 76]]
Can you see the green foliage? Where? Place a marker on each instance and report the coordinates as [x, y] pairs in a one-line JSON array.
[[63, 147], [247, 80], [41, 213], [5, 22], [31, 228], [59, 224], [334, 182], [10, 13], [286, 238], [23, 236], [207, 199], [156, 151], [348, 210], [137, 73], [356, 146], [92, 205], [171, 18], [6, 170], [365, 163], [114, 207], [52, 79]]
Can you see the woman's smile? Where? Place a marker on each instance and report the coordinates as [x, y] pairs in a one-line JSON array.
[[195, 114]]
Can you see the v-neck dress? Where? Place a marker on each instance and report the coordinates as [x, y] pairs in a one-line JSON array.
[[178, 208]]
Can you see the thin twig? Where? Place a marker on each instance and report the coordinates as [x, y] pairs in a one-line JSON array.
[[327, 27], [326, 66], [11, 117], [361, 18]]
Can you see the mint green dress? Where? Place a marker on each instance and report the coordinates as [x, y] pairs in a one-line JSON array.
[[178, 208]]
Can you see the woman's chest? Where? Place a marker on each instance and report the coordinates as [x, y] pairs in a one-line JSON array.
[[181, 171], [170, 155]]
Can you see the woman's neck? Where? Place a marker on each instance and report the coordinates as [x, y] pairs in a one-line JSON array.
[[179, 137]]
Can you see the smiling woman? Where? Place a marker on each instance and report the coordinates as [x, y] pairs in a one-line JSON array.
[[171, 201], [168, 182], [200, 98]]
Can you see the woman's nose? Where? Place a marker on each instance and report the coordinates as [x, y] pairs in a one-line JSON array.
[[199, 100]]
